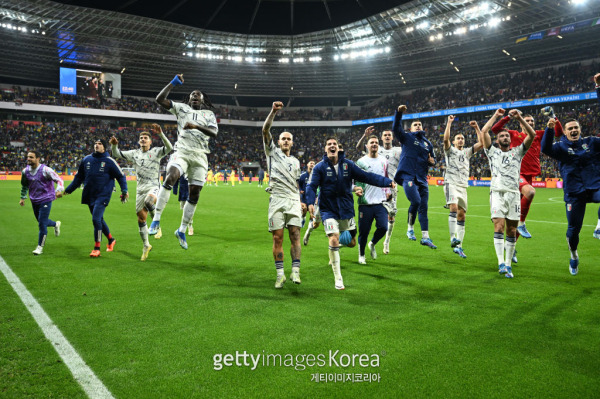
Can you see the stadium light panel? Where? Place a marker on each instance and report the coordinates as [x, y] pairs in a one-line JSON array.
[[559, 36], [505, 52], [494, 22], [235, 86], [514, 59], [439, 36], [284, 60], [336, 57], [457, 70], [423, 25]]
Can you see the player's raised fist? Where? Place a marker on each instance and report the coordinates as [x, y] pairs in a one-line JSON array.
[[369, 130], [473, 124], [402, 108], [514, 113], [597, 78], [277, 105], [113, 141], [450, 118], [551, 123], [500, 112], [156, 128], [177, 80]]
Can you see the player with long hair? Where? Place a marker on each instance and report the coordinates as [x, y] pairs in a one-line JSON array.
[[196, 125]]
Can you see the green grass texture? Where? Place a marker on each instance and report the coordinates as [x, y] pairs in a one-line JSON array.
[[438, 325]]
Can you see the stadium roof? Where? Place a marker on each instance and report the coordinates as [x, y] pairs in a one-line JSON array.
[[256, 17], [414, 44]]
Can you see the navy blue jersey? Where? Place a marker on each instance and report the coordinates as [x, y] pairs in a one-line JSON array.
[[335, 197], [302, 181], [98, 173], [416, 149], [577, 162]]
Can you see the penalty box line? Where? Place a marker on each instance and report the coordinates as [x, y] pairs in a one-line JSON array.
[[82, 373]]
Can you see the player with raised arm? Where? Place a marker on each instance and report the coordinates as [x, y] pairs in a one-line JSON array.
[[335, 175], [371, 200], [39, 180], [530, 166], [417, 156], [578, 163], [505, 165], [195, 127], [98, 172], [146, 161], [456, 181], [392, 156], [285, 208]]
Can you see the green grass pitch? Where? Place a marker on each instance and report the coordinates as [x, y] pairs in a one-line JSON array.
[[439, 325]]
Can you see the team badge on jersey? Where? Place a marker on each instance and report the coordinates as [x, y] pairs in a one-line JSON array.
[[569, 207]]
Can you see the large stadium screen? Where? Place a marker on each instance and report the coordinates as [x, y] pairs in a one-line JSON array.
[[91, 84]]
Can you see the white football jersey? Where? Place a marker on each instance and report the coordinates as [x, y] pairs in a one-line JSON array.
[[146, 164], [372, 194], [192, 140], [506, 168], [284, 172], [457, 166], [392, 156]]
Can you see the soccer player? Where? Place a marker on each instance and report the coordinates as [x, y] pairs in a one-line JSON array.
[[392, 156], [334, 175], [195, 127], [39, 180], [371, 200], [97, 172], [209, 177], [577, 160], [456, 181], [146, 161], [315, 221], [261, 177], [182, 190], [285, 209], [505, 165], [302, 185], [530, 166], [417, 156]]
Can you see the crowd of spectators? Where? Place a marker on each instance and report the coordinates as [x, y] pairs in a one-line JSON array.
[[568, 79], [64, 144]]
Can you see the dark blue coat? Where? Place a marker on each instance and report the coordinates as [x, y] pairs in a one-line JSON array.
[[302, 186], [98, 173], [416, 149], [577, 162], [335, 197]]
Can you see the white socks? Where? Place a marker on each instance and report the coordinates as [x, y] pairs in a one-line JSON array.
[[188, 214]]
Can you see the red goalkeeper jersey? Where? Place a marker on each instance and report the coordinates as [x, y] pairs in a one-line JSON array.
[[530, 165]]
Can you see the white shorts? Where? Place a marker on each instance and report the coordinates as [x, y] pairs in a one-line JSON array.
[[456, 195], [140, 197], [284, 212], [505, 205], [194, 166], [333, 226]]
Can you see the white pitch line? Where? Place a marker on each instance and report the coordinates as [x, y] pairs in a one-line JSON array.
[[83, 374], [528, 220]]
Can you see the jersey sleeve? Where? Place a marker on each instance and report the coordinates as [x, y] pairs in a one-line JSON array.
[[126, 155], [211, 120], [50, 174], [175, 107]]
